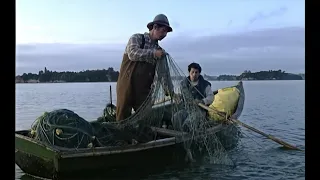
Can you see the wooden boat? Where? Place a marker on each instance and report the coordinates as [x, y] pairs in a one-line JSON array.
[[37, 159]]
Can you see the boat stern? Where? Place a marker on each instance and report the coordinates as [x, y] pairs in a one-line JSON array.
[[34, 158]]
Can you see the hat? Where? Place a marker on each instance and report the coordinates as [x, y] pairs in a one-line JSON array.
[[160, 19]]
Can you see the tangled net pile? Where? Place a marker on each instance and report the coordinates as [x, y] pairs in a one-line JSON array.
[[157, 109]]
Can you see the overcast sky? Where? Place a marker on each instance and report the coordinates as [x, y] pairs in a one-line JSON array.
[[224, 37]]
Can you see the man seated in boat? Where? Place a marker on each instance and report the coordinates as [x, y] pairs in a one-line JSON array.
[[200, 90], [197, 85]]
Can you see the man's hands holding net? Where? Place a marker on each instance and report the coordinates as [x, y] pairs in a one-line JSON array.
[[177, 98], [198, 101], [159, 53]]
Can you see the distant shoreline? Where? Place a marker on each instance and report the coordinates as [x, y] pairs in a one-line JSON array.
[[110, 75], [62, 82], [116, 82]]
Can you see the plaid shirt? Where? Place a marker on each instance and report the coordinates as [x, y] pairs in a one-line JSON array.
[[147, 54], [135, 53]]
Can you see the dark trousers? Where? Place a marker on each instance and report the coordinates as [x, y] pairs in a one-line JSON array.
[[132, 91]]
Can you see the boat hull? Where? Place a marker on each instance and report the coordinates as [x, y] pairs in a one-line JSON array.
[[37, 159], [33, 158]]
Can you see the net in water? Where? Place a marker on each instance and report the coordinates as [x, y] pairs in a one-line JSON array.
[[178, 112]]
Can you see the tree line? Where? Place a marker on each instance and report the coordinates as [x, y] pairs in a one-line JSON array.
[[104, 75], [110, 75], [262, 75]]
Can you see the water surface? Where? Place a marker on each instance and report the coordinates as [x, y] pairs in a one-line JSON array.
[[275, 107]]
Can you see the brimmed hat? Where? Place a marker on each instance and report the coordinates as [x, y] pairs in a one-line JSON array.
[[162, 20]]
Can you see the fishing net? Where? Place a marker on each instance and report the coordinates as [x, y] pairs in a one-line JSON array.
[[63, 128], [169, 104], [176, 111], [201, 137]]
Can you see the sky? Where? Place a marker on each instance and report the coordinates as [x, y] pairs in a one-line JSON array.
[[225, 37]]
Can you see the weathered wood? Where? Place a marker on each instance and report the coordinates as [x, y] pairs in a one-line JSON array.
[[184, 136], [102, 151], [168, 132], [179, 137]]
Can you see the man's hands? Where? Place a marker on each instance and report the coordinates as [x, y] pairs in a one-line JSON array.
[[177, 98], [159, 53], [197, 101]]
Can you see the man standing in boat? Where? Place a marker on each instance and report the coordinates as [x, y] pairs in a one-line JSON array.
[[138, 67], [200, 90]]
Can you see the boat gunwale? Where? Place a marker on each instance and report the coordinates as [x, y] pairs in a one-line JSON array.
[[63, 151], [96, 151], [138, 147], [39, 143]]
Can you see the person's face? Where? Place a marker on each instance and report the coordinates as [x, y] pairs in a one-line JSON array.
[[161, 32], [194, 74]]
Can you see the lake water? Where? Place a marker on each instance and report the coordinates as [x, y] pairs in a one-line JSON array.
[[275, 107]]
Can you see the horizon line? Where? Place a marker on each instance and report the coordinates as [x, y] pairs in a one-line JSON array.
[[119, 71]]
